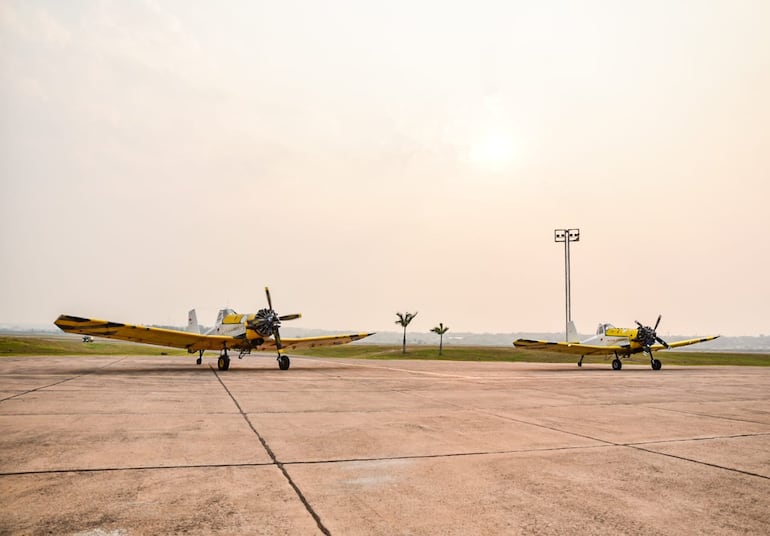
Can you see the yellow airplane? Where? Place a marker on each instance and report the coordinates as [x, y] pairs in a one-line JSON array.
[[242, 332], [609, 340]]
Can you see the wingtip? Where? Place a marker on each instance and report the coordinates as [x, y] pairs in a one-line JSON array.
[[64, 319]]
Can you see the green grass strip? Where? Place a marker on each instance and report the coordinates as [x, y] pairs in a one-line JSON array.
[[63, 345]]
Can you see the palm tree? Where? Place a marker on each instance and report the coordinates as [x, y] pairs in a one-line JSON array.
[[440, 330], [403, 320]]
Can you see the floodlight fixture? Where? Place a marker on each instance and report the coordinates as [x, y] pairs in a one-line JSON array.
[[567, 236]]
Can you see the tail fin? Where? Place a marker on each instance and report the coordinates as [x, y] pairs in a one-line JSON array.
[[572, 334], [192, 322]]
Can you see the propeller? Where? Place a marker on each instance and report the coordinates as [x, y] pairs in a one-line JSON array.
[[267, 322], [647, 336]]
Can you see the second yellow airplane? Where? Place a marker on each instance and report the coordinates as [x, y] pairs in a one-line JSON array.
[[609, 340]]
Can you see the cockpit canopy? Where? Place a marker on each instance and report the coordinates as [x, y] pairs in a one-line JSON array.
[[602, 329], [227, 316]]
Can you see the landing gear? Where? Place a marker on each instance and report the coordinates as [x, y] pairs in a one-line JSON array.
[[655, 364], [200, 358], [283, 362], [223, 363], [580, 363], [617, 364]]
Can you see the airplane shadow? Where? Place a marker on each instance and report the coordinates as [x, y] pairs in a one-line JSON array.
[[565, 368], [194, 370]]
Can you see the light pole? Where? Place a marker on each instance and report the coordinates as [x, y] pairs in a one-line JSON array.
[[567, 236]]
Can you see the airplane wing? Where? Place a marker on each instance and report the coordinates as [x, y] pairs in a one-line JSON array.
[[148, 335], [312, 342], [575, 348], [686, 342], [190, 341]]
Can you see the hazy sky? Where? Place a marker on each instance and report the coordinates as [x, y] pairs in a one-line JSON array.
[[363, 158]]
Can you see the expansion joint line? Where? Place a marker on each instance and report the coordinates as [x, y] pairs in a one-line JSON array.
[[275, 460], [683, 458], [60, 381], [636, 446]]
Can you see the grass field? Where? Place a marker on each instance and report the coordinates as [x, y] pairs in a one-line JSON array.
[[11, 345], [493, 353], [62, 345]]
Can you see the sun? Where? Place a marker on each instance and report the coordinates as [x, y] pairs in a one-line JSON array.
[[493, 151]]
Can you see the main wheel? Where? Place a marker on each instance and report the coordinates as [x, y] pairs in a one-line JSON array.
[[283, 362], [656, 364], [223, 363], [616, 364]]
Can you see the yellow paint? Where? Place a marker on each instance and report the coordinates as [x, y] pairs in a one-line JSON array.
[[621, 332], [232, 319], [253, 335]]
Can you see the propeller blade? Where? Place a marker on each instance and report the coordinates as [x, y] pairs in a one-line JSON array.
[[638, 323], [271, 321], [656, 323], [269, 301], [277, 336], [661, 341]]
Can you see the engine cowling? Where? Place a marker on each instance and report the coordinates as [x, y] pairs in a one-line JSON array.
[[265, 323], [254, 337]]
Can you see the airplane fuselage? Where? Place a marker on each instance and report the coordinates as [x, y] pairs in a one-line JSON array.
[[609, 335], [233, 324]]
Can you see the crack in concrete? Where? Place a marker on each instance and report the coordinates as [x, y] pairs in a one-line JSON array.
[[135, 468], [625, 445], [686, 439], [606, 444], [275, 460], [637, 447], [60, 382], [300, 462], [708, 464], [699, 414]]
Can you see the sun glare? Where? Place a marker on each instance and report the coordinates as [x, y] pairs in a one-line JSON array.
[[494, 151]]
